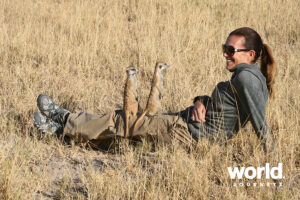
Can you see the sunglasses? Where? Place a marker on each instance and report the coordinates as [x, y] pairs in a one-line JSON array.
[[230, 50]]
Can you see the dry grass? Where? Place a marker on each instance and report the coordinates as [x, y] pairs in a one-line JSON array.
[[76, 51]]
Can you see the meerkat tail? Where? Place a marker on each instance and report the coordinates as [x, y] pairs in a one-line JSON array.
[[126, 124], [139, 119]]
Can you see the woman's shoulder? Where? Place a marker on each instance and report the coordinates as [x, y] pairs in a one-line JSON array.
[[249, 74], [251, 82]]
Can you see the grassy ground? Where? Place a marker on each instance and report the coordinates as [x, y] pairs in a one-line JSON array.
[[76, 51]]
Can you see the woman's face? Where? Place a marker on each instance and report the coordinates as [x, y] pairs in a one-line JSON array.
[[238, 57]]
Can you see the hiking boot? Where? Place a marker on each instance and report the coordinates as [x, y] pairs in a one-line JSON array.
[[51, 110], [45, 125]]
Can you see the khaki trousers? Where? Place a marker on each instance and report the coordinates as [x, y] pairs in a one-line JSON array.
[[91, 127]]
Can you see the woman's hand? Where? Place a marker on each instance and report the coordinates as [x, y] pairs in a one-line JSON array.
[[199, 112]]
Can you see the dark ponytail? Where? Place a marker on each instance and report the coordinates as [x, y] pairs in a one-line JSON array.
[[268, 68], [267, 64]]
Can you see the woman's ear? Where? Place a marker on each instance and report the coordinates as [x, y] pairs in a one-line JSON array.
[[252, 54]]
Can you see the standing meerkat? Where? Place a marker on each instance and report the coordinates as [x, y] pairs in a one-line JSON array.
[[156, 93], [130, 104]]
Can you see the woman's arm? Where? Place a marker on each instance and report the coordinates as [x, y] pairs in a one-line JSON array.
[[252, 97]]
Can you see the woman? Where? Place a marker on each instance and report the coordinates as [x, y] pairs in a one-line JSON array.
[[231, 106]]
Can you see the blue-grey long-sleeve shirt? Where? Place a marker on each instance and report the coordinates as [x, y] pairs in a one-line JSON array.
[[233, 103]]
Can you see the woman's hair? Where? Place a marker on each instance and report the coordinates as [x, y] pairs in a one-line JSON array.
[[267, 64]]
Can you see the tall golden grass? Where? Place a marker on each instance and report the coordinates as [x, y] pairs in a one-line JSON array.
[[76, 51]]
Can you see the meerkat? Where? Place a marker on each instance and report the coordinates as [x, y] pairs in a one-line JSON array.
[[130, 104], [156, 93]]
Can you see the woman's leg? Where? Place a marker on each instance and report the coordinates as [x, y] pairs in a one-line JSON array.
[[83, 126], [86, 127], [163, 128]]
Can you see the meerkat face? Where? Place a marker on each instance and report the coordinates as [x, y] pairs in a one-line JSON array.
[[162, 66], [131, 71]]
